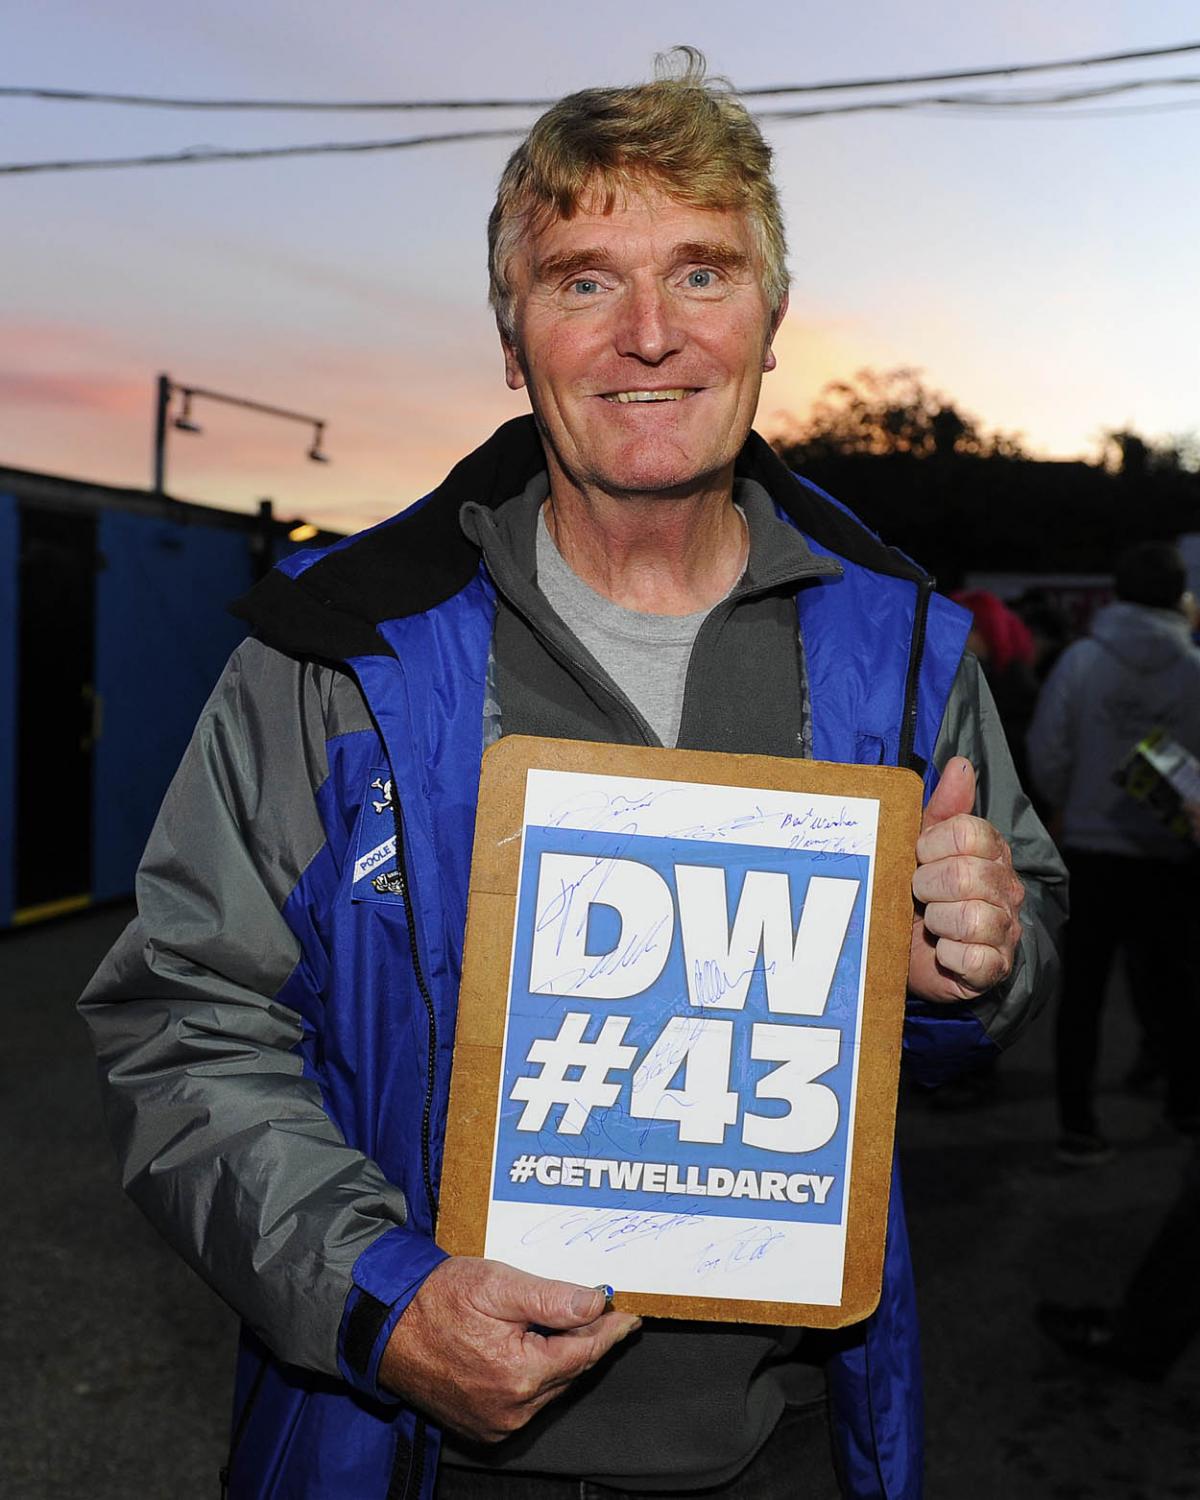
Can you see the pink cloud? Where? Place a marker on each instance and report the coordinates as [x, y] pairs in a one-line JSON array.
[[73, 392], [40, 340]]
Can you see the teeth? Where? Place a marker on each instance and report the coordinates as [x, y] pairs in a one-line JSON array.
[[626, 396]]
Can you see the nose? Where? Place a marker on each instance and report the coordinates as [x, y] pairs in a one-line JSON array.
[[648, 327]]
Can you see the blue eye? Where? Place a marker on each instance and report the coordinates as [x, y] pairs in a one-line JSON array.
[[700, 279], [585, 287]]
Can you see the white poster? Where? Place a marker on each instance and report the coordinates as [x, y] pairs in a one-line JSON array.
[[681, 1037]]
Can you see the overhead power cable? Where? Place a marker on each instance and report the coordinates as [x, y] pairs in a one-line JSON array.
[[1029, 99], [1119, 112], [360, 106], [198, 154], [979, 101], [964, 75], [282, 106], [1024, 98]]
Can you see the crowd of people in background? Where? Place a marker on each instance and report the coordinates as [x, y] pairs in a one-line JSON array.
[[1075, 709]]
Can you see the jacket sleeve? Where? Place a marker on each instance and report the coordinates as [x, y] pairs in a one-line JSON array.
[[218, 1121], [941, 1041]]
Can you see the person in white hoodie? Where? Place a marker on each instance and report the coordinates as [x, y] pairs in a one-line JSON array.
[[1135, 885]]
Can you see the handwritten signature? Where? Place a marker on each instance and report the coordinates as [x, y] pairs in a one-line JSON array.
[[592, 809], [611, 1230], [712, 980], [741, 1248], [624, 956], [837, 832]]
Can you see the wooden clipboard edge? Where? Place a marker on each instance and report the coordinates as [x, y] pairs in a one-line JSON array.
[[475, 1082]]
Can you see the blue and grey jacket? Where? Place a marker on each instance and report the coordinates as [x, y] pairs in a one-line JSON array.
[[275, 1028]]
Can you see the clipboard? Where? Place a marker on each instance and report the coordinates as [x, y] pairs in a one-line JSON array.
[[678, 1038]]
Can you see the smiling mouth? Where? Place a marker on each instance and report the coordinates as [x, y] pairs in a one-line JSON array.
[[625, 398]]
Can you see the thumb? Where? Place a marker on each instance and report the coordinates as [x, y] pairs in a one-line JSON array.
[[516, 1296], [954, 793]]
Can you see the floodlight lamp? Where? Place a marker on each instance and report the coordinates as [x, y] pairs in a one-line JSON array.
[[303, 531], [184, 420]]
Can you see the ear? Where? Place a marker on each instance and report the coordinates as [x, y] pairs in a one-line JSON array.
[[769, 360], [514, 370]]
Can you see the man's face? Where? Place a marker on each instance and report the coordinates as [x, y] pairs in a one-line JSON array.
[[642, 336]]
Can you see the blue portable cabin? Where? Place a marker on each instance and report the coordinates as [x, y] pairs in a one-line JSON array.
[[113, 629]]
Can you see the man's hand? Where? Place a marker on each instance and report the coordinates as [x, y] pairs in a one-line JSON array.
[[464, 1350], [967, 925]]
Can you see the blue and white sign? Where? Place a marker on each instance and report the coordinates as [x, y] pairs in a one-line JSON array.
[[375, 876], [681, 1038]]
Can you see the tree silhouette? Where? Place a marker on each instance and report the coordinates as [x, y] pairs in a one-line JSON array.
[[1134, 456], [889, 413], [960, 498]]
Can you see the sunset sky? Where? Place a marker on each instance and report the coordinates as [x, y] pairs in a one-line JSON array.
[[1040, 269]]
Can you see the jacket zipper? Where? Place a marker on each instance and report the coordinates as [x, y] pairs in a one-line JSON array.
[[908, 728], [401, 885], [408, 1477]]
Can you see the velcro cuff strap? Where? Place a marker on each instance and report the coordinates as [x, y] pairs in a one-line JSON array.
[[363, 1327]]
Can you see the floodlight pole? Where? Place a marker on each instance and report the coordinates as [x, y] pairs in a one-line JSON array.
[[166, 388], [162, 403]]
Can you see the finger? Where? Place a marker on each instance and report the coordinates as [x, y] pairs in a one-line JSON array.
[[967, 878], [969, 922], [606, 1306], [973, 966], [587, 1328], [961, 834], [954, 793], [562, 1359], [517, 1297]]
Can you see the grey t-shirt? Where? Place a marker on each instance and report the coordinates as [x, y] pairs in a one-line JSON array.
[[646, 655]]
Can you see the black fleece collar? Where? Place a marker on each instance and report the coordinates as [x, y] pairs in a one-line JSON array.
[[330, 611]]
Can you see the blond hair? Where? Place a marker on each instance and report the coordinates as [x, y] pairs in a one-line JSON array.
[[684, 133]]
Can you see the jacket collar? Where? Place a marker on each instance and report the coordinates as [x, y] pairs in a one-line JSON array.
[[329, 607]]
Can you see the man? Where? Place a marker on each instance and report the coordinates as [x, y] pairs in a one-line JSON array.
[[1132, 879], [631, 565]]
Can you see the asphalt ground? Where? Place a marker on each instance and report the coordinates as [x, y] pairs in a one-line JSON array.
[[115, 1361]]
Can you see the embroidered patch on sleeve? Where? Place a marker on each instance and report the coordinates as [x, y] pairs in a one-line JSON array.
[[376, 876]]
